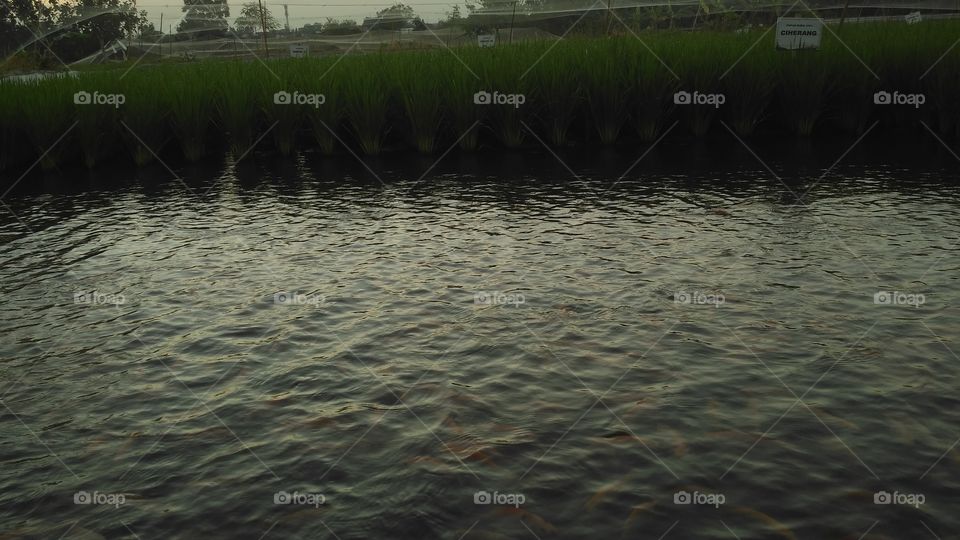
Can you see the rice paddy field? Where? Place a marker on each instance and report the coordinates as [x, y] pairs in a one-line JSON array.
[[606, 91]]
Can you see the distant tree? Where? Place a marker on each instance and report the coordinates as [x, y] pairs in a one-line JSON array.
[[454, 17], [102, 20], [204, 18], [312, 28], [20, 20], [397, 11], [249, 21], [336, 27], [149, 32]]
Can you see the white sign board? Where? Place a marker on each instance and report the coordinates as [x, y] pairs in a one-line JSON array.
[[486, 40], [299, 51], [795, 33], [913, 17]]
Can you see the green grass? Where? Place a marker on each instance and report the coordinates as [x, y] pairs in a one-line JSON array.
[[145, 117], [421, 97], [46, 112], [609, 90], [366, 99], [191, 109], [234, 95]]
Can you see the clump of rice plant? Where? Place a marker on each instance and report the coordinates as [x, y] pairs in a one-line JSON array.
[[607, 86], [654, 87], [144, 114], [321, 78], [235, 96], [558, 93], [463, 116], [942, 85], [191, 106], [700, 69], [284, 113], [501, 71], [748, 86], [46, 109], [11, 124], [366, 101], [418, 78], [804, 84], [97, 123]]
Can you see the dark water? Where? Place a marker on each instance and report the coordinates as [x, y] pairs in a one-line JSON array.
[[182, 392]]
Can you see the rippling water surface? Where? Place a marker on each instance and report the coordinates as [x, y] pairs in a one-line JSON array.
[[198, 347]]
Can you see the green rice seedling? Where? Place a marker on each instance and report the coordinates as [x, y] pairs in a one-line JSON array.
[[97, 123], [700, 66], [804, 85], [322, 78], [557, 92], [191, 105], [463, 116], [607, 85], [46, 109], [11, 124], [417, 81], [654, 86], [284, 109], [501, 70], [236, 96], [942, 86], [144, 114], [748, 85], [366, 101]]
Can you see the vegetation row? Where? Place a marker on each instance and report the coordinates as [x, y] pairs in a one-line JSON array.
[[629, 88]]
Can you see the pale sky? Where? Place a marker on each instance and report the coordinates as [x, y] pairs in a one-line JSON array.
[[303, 11]]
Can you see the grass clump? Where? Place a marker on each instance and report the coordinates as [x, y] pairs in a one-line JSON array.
[[145, 114], [235, 96], [46, 110], [653, 97], [366, 101], [558, 94], [607, 86], [420, 96], [191, 107]]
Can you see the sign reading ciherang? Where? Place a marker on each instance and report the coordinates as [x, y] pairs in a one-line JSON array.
[[795, 33]]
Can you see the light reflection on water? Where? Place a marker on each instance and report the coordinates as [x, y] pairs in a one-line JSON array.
[[383, 385]]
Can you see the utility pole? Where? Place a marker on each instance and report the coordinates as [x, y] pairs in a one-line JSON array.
[[263, 28], [512, 20], [161, 35], [286, 15]]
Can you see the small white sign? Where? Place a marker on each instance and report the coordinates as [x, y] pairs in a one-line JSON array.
[[913, 17], [299, 50], [486, 40], [795, 33]]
